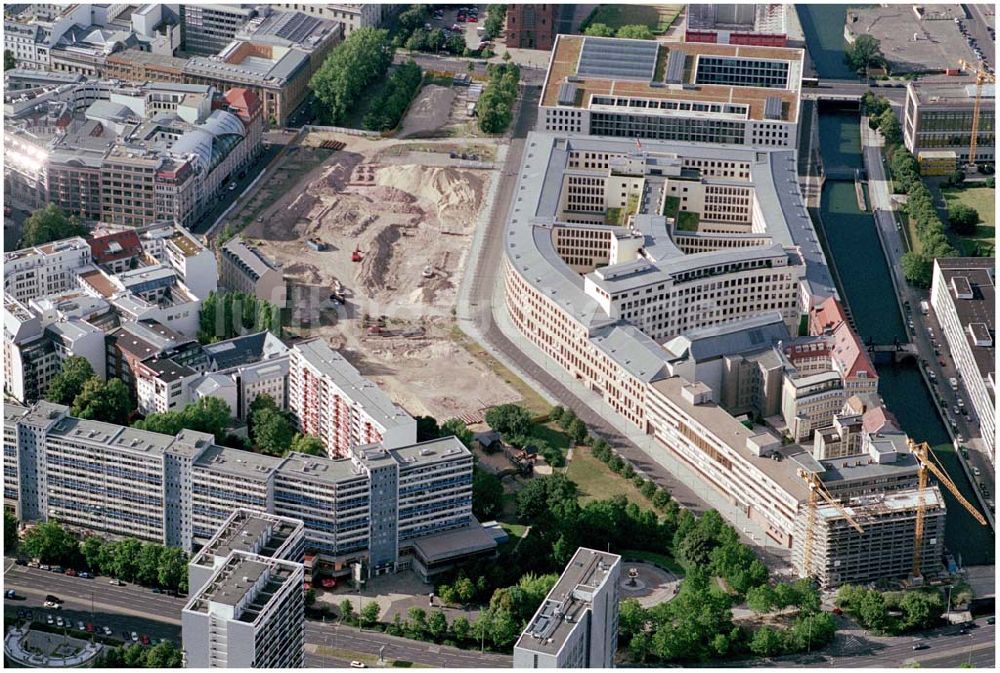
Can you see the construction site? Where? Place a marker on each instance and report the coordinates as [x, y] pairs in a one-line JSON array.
[[373, 236]]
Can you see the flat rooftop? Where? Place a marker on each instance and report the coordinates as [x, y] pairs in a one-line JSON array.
[[735, 435], [246, 464], [562, 610], [952, 91], [978, 276], [577, 60], [249, 531], [235, 585]]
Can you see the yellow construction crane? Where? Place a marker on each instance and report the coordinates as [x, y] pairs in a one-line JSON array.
[[817, 491], [982, 76], [926, 459]]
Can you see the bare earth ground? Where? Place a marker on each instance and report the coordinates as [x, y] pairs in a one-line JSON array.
[[411, 217]]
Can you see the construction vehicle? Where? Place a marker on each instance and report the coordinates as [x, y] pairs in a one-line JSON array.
[[356, 255], [982, 77], [816, 491], [928, 463]]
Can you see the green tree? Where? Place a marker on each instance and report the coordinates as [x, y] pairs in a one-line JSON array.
[[173, 567], [107, 401], [11, 537], [963, 219], [354, 65], [437, 625], [635, 32], [416, 623], [917, 269], [865, 53], [164, 655], [599, 30], [458, 428], [50, 543], [427, 428], [509, 419], [148, 564], [890, 127], [496, 16], [370, 614], [310, 600], [577, 431], [487, 494], [661, 498], [68, 383], [126, 559], [921, 609], [307, 444], [761, 598], [271, 428], [766, 642], [465, 590], [460, 629], [346, 610], [9, 62], [49, 224], [632, 618]]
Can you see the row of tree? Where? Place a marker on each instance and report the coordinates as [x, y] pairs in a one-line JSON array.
[[496, 19], [356, 64], [161, 655], [658, 496], [77, 386], [633, 32], [917, 266], [892, 612], [225, 315], [436, 40], [388, 107], [128, 559], [495, 108]]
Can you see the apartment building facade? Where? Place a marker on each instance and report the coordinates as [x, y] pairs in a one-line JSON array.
[[938, 117], [206, 29], [531, 26], [331, 400], [244, 268]]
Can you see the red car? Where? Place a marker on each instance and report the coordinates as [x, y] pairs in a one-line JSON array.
[[472, 19], [145, 639], [90, 627], [71, 572], [307, 585], [328, 582]]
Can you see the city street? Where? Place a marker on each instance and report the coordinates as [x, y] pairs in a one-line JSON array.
[[134, 608], [966, 426]]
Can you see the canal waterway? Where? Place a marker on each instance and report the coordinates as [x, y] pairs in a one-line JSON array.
[[856, 251], [823, 26]]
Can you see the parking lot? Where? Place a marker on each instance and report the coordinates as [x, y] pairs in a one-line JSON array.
[[466, 19]]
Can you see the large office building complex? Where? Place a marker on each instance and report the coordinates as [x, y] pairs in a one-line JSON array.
[[963, 294], [938, 118], [686, 92], [576, 625], [673, 279], [384, 508]]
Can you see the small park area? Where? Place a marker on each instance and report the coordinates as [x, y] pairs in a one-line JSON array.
[[982, 200]]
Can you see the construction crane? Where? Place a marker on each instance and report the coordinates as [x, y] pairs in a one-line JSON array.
[[817, 491], [927, 461], [982, 76]]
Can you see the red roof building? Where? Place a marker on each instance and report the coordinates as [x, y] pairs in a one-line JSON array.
[[244, 102], [115, 250], [826, 317]]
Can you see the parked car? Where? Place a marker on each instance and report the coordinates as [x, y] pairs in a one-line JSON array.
[[70, 572], [328, 583], [135, 637], [45, 567], [58, 569], [157, 590], [54, 599], [358, 664], [80, 626], [116, 583], [49, 619], [21, 562], [85, 575], [107, 630], [60, 622], [921, 646], [90, 627], [145, 639], [10, 593]]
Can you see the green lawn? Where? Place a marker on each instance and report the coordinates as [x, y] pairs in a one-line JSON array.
[[687, 220], [657, 17], [661, 560], [983, 199], [514, 529], [552, 435], [614, 216], [597, 482], [671, 205]]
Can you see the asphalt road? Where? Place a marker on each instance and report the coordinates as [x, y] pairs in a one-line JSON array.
[[134, 608]]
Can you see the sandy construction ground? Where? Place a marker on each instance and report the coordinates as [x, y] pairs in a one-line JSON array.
[[411, 218]]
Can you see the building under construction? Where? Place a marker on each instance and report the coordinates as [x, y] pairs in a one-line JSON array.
[[842, 555]]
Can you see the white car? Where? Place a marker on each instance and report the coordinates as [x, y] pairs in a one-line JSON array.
[[358, 664], [50, 619], [107, 630], [135, 637]]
